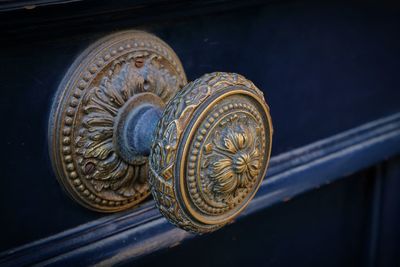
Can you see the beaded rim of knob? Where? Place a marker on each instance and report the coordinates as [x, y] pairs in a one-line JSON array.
[[210, 151]]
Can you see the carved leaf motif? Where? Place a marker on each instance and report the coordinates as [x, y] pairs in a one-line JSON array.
[[101, 105]]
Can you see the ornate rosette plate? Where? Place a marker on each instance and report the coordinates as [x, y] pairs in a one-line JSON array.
[[100, 88], [211, 151]]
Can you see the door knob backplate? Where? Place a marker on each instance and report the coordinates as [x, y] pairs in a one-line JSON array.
[[91, 106]]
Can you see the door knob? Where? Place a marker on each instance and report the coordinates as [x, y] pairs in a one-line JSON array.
[[124, 123]]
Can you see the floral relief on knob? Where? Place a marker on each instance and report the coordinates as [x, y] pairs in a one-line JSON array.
[[238, 165], [225, 159]]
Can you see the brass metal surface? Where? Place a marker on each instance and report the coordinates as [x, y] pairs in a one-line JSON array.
[[210, 152], [106, 82]]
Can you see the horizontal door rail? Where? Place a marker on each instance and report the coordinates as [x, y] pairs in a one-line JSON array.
[[130, 235]]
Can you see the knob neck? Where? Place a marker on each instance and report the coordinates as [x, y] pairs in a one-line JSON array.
[[140, 128], [135, 125]]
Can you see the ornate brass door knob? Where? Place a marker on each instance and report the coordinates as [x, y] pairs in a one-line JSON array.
[[125, 100]]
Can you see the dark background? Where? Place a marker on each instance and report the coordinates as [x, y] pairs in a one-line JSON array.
[[324, 68]]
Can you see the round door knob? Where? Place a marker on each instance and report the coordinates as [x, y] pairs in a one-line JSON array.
[[210, 151], [124, 123]]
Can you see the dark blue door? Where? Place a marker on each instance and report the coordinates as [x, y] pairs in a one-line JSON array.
[[330, 74]]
